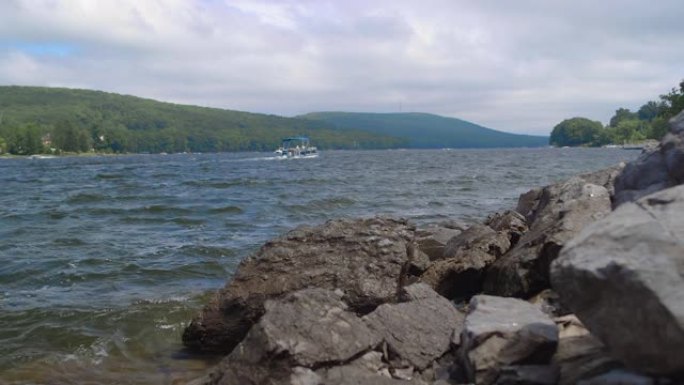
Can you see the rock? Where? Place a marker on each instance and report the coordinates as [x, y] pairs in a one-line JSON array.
[[579, 354], [352, 375], [509, 222], [432, 240], [528, 375], [502, 332], [624, 278], [528, 203], [367, 259], [306, 329], [461, 271], [549, 302], [562, 211], [654, 170], [619, 377], [417, 332]]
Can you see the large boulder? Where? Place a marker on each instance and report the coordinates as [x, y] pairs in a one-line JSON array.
[[368, 259], [304, 330], [624, 278], [558, 213], [501, 332], [654, 170], [419, 331], [460, 272]]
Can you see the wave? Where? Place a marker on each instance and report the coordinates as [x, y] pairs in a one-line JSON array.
[[86, 198]]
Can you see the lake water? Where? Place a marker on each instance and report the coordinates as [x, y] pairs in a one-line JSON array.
[[104, 260]]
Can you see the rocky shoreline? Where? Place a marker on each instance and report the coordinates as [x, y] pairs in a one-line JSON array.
[[582, 283]]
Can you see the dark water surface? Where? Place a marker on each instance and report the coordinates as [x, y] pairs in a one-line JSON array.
[[104, 260]]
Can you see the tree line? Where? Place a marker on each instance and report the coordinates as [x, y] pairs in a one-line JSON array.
[[35, 120], [650, 121]]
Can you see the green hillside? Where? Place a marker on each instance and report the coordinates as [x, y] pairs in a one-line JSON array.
[[427, 130], [35, 119]]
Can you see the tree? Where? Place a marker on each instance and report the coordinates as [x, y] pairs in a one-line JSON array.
[[650, 110], [620, 115], [3, 145], [576, 132]]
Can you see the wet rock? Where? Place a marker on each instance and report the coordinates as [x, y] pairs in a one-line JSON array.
[[461, 271], [624, 278], [579, 354], [502, 332], [432, 240], [417, 332], [654, 170], [562, 211], [367, 259]]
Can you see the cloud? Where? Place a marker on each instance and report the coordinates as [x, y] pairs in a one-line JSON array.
[[516, 66]]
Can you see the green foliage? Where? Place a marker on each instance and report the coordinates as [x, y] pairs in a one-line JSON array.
[[620, 115], [426, 130], [649, 122], [81, 120], [576, 132]]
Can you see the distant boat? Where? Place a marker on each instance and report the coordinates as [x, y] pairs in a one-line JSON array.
[[296, 147]]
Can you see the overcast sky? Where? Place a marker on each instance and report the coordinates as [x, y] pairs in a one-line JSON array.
[[518, 66]]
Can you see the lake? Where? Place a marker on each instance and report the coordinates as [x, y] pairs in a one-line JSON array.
[[104, 260]]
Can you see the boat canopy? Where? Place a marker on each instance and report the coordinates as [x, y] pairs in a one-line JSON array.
[[296, 138]]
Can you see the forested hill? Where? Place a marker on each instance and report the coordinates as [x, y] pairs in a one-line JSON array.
[[36, 119], [427, 130]]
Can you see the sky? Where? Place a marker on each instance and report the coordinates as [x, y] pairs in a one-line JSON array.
[[517, 66]]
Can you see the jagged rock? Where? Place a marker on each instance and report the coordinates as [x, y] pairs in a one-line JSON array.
[[528, 375], [654, 170], [419, 331], [432, 240], [579, 354], [509, 222], [502, 332], [460, 273], [561, 212], [624, 278], [304, 329], [366, 258]]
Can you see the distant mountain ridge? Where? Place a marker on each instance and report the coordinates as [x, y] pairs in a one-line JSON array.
[[78, 120], [422, 130]]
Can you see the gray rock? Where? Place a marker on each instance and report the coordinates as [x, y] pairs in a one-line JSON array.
[[353, 375], [528, 375], [461, 272], [562, 211], [654, 170], [419, 331], [502, 332], [579, 354], [368, 259], [619, 377], [510, 222], [623, 277], [432, 240], [305, 329]]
